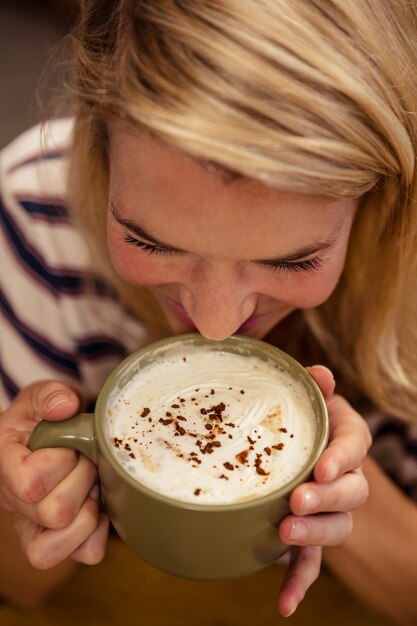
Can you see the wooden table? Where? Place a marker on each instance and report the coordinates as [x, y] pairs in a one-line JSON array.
[[124, 591]]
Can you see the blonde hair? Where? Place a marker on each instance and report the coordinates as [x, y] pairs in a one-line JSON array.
[[311, 96]]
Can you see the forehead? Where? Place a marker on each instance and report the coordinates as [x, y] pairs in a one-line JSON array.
[[196, 206]]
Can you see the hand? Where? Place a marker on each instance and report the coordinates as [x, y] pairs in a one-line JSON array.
[[51, 492], [321, 508]]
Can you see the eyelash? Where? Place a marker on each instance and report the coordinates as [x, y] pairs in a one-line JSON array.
[[296, 266], [309, 265], [150, 248]]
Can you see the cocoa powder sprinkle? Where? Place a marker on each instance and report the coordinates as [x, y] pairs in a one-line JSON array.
[[179, 429], [166, 422], [259, 469], [242, 457]]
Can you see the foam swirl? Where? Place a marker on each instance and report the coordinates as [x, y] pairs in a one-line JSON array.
[[212, 427]]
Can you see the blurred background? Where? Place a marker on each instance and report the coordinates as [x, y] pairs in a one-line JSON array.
[[30, 58]]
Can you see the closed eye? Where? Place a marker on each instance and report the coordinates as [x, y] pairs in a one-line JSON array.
[[150, 248], [308, 265], [289, 266]]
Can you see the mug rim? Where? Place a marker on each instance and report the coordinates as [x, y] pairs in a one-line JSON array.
[[276, 494]]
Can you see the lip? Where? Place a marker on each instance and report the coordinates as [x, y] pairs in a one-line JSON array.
[[189, 324], [249, 324], [181, 314]]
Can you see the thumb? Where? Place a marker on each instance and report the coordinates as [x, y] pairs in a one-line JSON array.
[[51, 400], [324, 378]]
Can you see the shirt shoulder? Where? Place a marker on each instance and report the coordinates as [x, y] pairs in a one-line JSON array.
[[59, 316]]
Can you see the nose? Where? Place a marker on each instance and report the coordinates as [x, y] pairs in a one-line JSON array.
[[218, 300]]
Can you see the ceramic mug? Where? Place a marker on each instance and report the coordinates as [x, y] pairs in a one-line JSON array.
[[190, 540]]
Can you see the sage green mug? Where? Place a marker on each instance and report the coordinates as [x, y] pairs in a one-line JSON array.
[[190, 540]]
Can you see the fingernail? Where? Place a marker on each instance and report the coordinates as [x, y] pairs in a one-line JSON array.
[[311, 500], [299, 531], [292, 610], [57, 398]]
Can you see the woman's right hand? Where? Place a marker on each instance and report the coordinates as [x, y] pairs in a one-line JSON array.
[[52, 492]]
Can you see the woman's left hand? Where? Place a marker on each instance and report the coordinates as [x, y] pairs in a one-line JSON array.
[[321, 508]]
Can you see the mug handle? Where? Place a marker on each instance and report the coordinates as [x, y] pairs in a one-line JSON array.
[[76, 433]]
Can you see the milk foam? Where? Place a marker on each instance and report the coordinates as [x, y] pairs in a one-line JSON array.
[[212, 427]]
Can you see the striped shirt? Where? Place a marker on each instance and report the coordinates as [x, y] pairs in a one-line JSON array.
[[59, 319]]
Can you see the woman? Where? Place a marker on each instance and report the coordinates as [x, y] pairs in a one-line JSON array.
[[234, 167]]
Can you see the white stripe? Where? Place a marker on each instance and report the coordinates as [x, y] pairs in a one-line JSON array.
[[52, 136]]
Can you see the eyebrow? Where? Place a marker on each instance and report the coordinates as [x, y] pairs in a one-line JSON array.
[[318, 246]]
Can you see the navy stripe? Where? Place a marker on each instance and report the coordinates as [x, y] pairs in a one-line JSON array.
[[57, 281], [411, 448], [9, 385], [98, 347], [56, 357], [52, 210], [391, 428]]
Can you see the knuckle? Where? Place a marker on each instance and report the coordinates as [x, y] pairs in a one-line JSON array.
[[57, 512], [59, 461], [31, 489]]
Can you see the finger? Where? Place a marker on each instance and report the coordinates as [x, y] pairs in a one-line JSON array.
[[347, 493], [324, 378], [303, 570], [56, 400], [323, 529], [350, 441], [92, 551], [60, 507], [30, 476], [46, 548], [43, 400]]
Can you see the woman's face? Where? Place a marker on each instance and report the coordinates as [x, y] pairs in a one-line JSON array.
[[221, 256]]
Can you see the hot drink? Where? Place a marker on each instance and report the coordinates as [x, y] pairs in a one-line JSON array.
[[209, 426]]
